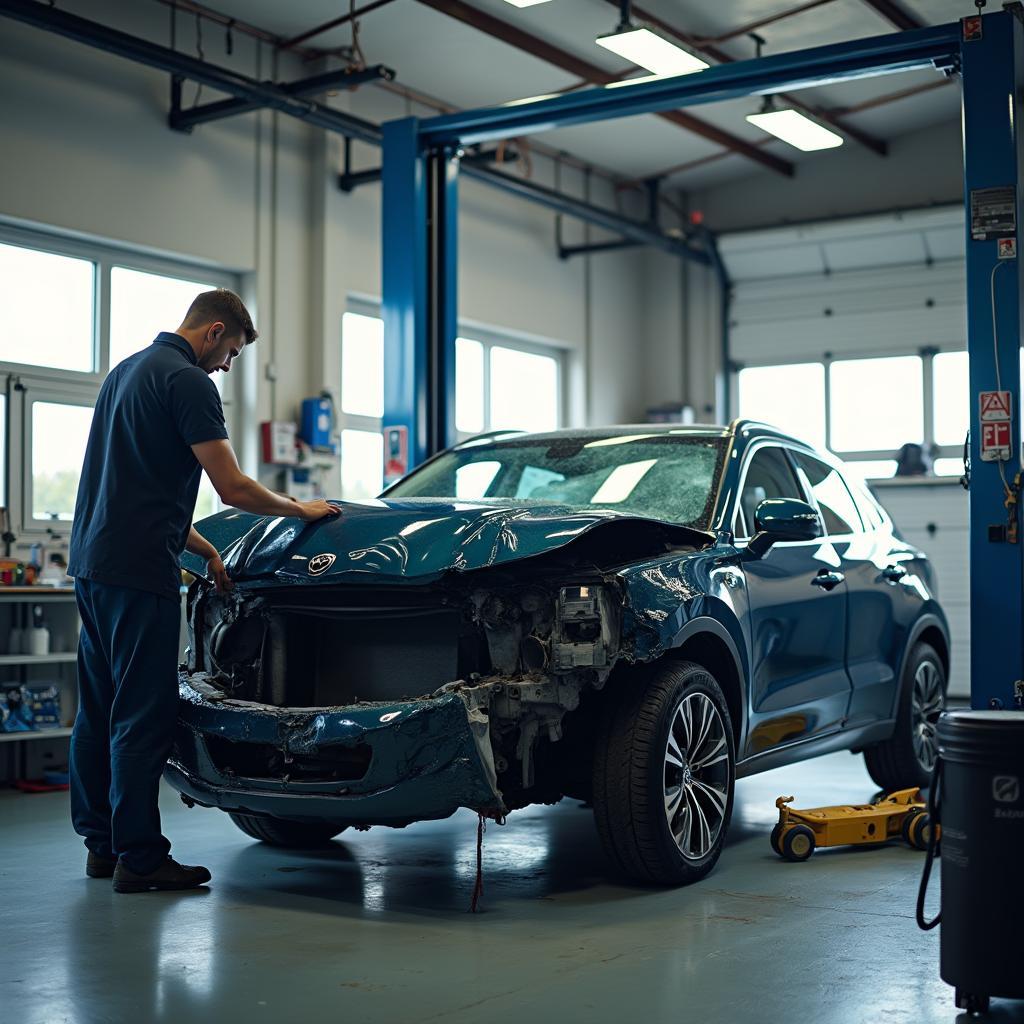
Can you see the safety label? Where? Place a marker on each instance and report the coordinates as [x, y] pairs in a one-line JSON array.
[[993, 212], [1006, 248], [994, 406], [396, 453], [995, 441], [972, 28]]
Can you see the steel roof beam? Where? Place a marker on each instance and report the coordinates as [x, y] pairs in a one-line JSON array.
[[716, 53], [861, 58], [895, 14], [574, 65]]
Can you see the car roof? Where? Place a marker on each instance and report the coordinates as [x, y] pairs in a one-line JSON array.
[[748, 429]]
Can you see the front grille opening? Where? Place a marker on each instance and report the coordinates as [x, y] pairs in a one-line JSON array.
[[265, 761]]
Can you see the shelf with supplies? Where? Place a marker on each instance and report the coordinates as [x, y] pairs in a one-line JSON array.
[[54, 658], [36, 734], [38, 653]]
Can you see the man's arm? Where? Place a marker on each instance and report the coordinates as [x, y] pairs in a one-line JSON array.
[[242, 492], [200, 546]]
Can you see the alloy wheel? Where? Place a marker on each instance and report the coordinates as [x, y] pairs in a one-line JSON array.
[[697, 771], [926, 706]]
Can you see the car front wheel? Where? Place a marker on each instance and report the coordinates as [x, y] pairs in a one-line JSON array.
[[664, 771], [282, 832], [907, 758]]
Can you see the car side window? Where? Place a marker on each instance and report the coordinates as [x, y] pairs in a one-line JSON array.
[[870, 514], [838, 508], [769, 475]]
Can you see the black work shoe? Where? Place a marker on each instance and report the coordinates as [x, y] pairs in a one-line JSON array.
[[169, 876], [98, 866]]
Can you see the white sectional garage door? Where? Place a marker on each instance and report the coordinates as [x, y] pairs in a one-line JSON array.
[[872, 286]]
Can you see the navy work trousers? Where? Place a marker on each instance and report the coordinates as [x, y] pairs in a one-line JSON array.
[[127, 708]]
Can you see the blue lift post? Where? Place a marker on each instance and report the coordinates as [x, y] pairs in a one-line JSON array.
[[420, 297], [993, 76]]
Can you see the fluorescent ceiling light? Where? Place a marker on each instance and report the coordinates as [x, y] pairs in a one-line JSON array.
[[791, 126], [645, 47], [525, 3]]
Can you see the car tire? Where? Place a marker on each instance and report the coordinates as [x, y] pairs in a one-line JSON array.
[[282, 832], [907, 757], [651, 792], [797, 843]]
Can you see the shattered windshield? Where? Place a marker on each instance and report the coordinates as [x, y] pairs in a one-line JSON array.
[[661, 476]]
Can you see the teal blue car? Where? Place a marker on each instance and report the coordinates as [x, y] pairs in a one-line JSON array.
[[630, 616]]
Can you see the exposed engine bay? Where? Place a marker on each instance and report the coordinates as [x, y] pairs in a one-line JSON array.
[[520, 654]]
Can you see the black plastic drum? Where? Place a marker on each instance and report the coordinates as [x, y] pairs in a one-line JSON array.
[[978, 792]]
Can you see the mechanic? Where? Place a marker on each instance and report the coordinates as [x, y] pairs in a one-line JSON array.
[[158, 423]]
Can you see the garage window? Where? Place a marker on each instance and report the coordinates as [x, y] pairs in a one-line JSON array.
[[876, 404], [790, 397], [866, 409], [49, 311], [100, 306], [492, 373]]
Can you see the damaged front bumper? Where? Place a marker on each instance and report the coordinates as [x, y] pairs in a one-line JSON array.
[[379, 764]]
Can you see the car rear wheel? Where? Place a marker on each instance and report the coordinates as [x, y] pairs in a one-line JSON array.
[[907, 758], [664, 770], [281, 832]]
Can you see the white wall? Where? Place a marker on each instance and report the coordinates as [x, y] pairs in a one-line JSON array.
[[86, 149]]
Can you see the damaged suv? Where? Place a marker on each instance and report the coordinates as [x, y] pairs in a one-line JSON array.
[[634, 617]]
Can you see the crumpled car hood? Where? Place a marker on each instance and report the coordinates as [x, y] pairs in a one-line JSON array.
[[417, 538]]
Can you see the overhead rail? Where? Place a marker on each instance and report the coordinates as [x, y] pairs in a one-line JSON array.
[[142, 51], [249, 94], [184, 119], [823, 65]]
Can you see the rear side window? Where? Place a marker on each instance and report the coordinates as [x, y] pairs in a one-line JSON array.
[[838, 508], [870, 513], [769, 475]]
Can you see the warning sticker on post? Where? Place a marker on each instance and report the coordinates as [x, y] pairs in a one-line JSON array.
[[995, 442], [995, 406], [993, 213]]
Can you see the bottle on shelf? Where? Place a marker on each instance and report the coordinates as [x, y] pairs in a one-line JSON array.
[[38, 635]]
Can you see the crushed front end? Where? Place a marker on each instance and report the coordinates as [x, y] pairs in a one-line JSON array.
[[389, 704]]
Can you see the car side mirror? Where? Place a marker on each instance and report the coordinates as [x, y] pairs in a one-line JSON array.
[[782, 519]]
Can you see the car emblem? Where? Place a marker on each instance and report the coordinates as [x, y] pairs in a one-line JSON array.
[[321, 563]]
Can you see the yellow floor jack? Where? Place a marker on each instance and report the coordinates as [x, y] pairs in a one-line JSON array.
[[903, 814]]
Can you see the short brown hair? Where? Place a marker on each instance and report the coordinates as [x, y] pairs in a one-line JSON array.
[[224, 305]]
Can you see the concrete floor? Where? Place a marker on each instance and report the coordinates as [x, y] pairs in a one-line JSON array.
[[375, 927]]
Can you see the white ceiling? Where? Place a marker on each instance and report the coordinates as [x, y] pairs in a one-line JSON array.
[[443, 57]]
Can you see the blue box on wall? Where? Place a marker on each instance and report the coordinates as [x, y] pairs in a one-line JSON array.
[[317, 426]]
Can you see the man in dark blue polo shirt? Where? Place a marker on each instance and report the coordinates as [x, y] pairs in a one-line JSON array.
[[158, 423]]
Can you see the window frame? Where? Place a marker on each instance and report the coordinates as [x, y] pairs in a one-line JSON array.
[[489, 338], [26, 383], [850, 458], [800, 480]]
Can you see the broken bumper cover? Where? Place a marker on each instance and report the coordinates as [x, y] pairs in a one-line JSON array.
[[424, 759]]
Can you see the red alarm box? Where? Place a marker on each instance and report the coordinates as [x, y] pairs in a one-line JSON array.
[[278, 439]]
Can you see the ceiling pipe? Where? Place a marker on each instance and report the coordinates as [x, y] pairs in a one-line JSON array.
[[142, 51], [298, 40], [266, 95]]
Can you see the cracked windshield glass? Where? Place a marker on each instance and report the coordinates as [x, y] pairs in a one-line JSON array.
[[661, 476]]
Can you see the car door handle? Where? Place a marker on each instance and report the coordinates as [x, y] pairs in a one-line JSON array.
[[828, 580], [893, 573]]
